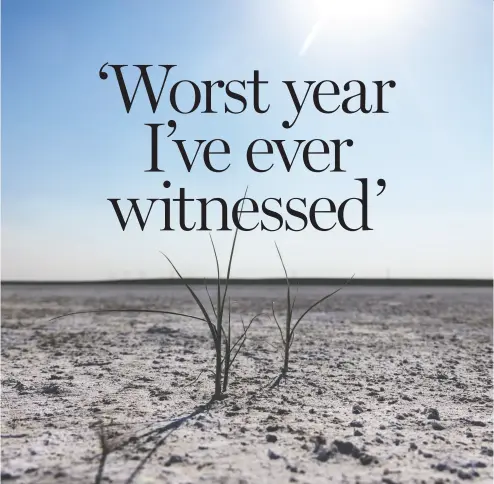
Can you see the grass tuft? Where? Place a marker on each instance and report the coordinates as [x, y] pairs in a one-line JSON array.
[[287, 337], [223, 364]]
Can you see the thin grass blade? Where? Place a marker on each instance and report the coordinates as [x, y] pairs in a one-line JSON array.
[[219, 314], [130, 310], [229, 321], [277, 324], [294, 299], [318, 302], [243, 338], [210, 299], [196, 299], [288, 305], [231, 253]]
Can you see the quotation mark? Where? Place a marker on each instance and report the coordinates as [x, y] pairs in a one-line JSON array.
[[381, 183]]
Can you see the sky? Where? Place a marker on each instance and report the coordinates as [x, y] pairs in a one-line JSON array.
[[68, 144]]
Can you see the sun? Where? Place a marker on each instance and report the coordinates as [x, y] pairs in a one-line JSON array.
[[357, 20], [361, 13]]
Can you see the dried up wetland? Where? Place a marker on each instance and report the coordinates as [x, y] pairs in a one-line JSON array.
[[388, 385]]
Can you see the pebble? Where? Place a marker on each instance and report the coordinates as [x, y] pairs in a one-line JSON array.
[[173, 459], [476, 464], [441, 467], [318, 441], [345, 448], [433, 414], [273, 455], [6, 476], [477, 423], [438, 426], [324, 454], [388, 480], [357, 409], [467, 474], [366, 459]]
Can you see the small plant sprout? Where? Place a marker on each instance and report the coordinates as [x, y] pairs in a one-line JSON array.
[[217, 330], [219, 334], [291, 325]]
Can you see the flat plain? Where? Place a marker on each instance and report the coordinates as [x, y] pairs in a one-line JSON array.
[[388, 385]]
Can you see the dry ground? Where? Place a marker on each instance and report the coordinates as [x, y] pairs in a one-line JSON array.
[[387, 385]]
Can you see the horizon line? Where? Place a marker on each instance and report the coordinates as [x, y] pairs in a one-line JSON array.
[[307, 281]]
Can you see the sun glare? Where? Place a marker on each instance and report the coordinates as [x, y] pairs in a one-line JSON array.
[[357, 19], [361, 13]]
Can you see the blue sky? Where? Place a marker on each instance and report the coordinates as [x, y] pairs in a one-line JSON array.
[[68, 145]]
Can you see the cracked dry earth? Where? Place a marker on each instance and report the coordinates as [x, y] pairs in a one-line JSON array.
[[388, 385]]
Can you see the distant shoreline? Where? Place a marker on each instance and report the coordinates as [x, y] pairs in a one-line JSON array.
[[269, 282]]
